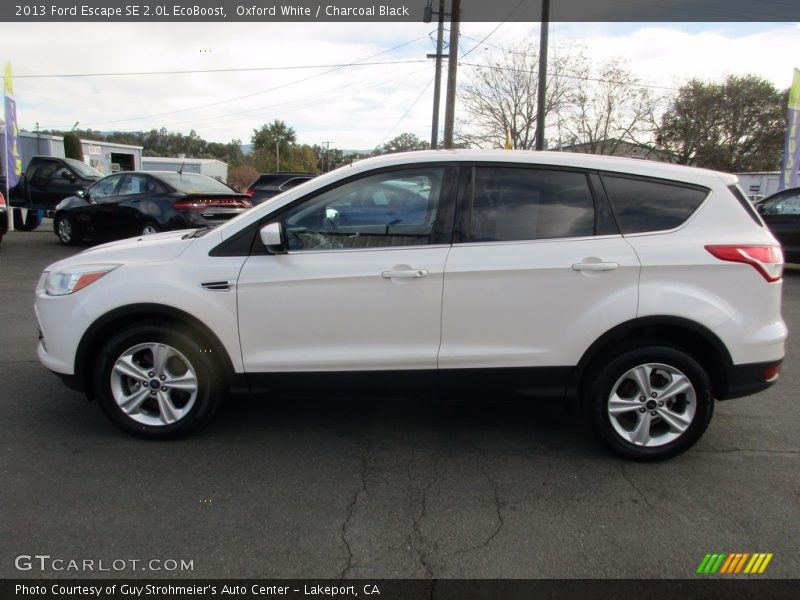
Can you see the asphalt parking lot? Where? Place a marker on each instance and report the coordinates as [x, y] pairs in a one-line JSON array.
[[288, 488]]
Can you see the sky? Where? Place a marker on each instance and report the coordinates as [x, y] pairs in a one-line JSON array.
[[360, 106]]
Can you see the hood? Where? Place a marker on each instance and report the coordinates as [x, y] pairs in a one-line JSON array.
[[157, 247]]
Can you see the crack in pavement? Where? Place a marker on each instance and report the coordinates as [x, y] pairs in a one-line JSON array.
[[498, 502], [420, 541], [635, 487], [352, 507]]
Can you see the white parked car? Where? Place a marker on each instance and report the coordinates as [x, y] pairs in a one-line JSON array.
[[642, 290]]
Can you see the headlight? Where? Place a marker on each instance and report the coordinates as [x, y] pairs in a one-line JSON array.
[[71, 279]]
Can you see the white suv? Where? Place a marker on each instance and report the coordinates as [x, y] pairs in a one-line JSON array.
[[641, 290]]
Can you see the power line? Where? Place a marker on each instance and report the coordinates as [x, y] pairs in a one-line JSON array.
[[579, 77], [272, 89], [233, 70], [405, 114]]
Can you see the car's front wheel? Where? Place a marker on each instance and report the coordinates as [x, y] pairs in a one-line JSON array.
[[650, 403], [155, 382], [149, 228], [67, 230]]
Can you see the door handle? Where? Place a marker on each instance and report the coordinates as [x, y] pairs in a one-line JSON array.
[[405, 274], [598, 266]]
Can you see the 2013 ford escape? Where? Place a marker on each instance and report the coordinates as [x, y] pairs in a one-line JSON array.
[[644, 291]]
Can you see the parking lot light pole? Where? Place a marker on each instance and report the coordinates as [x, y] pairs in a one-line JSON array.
[[437, 85], [452, 70], [542, 75]]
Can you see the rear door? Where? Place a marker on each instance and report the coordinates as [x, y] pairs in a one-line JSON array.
[[537, 273]]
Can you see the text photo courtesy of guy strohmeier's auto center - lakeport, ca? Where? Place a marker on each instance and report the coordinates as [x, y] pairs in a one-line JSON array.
[[432, 299]]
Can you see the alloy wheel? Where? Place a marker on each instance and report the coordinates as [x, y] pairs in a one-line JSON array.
[[154, 384], [652, 404]]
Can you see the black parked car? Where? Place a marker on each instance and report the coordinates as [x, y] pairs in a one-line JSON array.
[[272, 184], [136, 203], [781, 213]]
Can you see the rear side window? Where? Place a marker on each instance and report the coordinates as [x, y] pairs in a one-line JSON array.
[[511, 203], [642, 205], [746, 204]]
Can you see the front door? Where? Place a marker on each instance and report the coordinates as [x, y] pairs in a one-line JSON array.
[[360, 287]]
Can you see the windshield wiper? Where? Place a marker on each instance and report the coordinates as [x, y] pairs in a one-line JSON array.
[[199, 232]]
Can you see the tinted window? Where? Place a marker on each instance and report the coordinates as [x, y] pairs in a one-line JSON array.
[[642, 206], [389, 209], [45, 172], [136, 184], [529, 204], [82, 169], [737, 191], [784, 204], [104, 187], [192, 183]]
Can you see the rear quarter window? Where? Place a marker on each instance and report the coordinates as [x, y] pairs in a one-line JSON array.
[[643, 205]]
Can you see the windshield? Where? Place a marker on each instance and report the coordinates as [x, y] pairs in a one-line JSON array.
[[192, 183], [82, 169]]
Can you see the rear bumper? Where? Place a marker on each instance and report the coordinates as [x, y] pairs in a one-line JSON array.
[[744, 380]]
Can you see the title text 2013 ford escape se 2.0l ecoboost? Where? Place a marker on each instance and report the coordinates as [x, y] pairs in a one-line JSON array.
[[642, 290]]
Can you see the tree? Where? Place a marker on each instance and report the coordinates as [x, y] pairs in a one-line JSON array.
[[240, 176], [734, 125], [328, 159], [607, 109], [72, 146], [502, 96], [277, 132], [405, 142]]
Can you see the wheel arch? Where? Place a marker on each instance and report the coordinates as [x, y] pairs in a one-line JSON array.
[[116, 320], [692, 337]]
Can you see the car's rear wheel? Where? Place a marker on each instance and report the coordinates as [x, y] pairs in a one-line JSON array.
[[158, 383], [27, 222], [149, 228], [67, 230], [650, 403]]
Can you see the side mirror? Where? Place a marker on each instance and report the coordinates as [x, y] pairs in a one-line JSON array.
[[760, 209], [68, 176], [272, 238]]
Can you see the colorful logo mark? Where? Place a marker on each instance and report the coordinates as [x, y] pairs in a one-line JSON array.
[[733, 563]]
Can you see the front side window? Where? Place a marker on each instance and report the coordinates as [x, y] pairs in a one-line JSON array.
[[397, 208], [512, 203], [641, 206], [783, 205]]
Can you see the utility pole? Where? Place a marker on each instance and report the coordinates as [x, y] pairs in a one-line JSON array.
[[452, 69], [437, 85], [542, 75], [277, 156], [326, 162]]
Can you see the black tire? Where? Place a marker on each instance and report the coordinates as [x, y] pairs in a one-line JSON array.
[[613, 377], [209, 380], [149, 227], [29, 223], [67, 230]]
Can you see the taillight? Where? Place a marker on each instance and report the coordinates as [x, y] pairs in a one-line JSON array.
[[250, 193], [772, 373], [767, 260], [2, 200], [200, 204]]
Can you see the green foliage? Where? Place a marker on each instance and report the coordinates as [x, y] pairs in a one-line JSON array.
[[72, 146], [405, 142], [734, 125], [276, 133]]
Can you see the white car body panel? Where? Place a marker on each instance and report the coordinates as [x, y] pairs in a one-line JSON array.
[[332, 310], [521, 304]]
